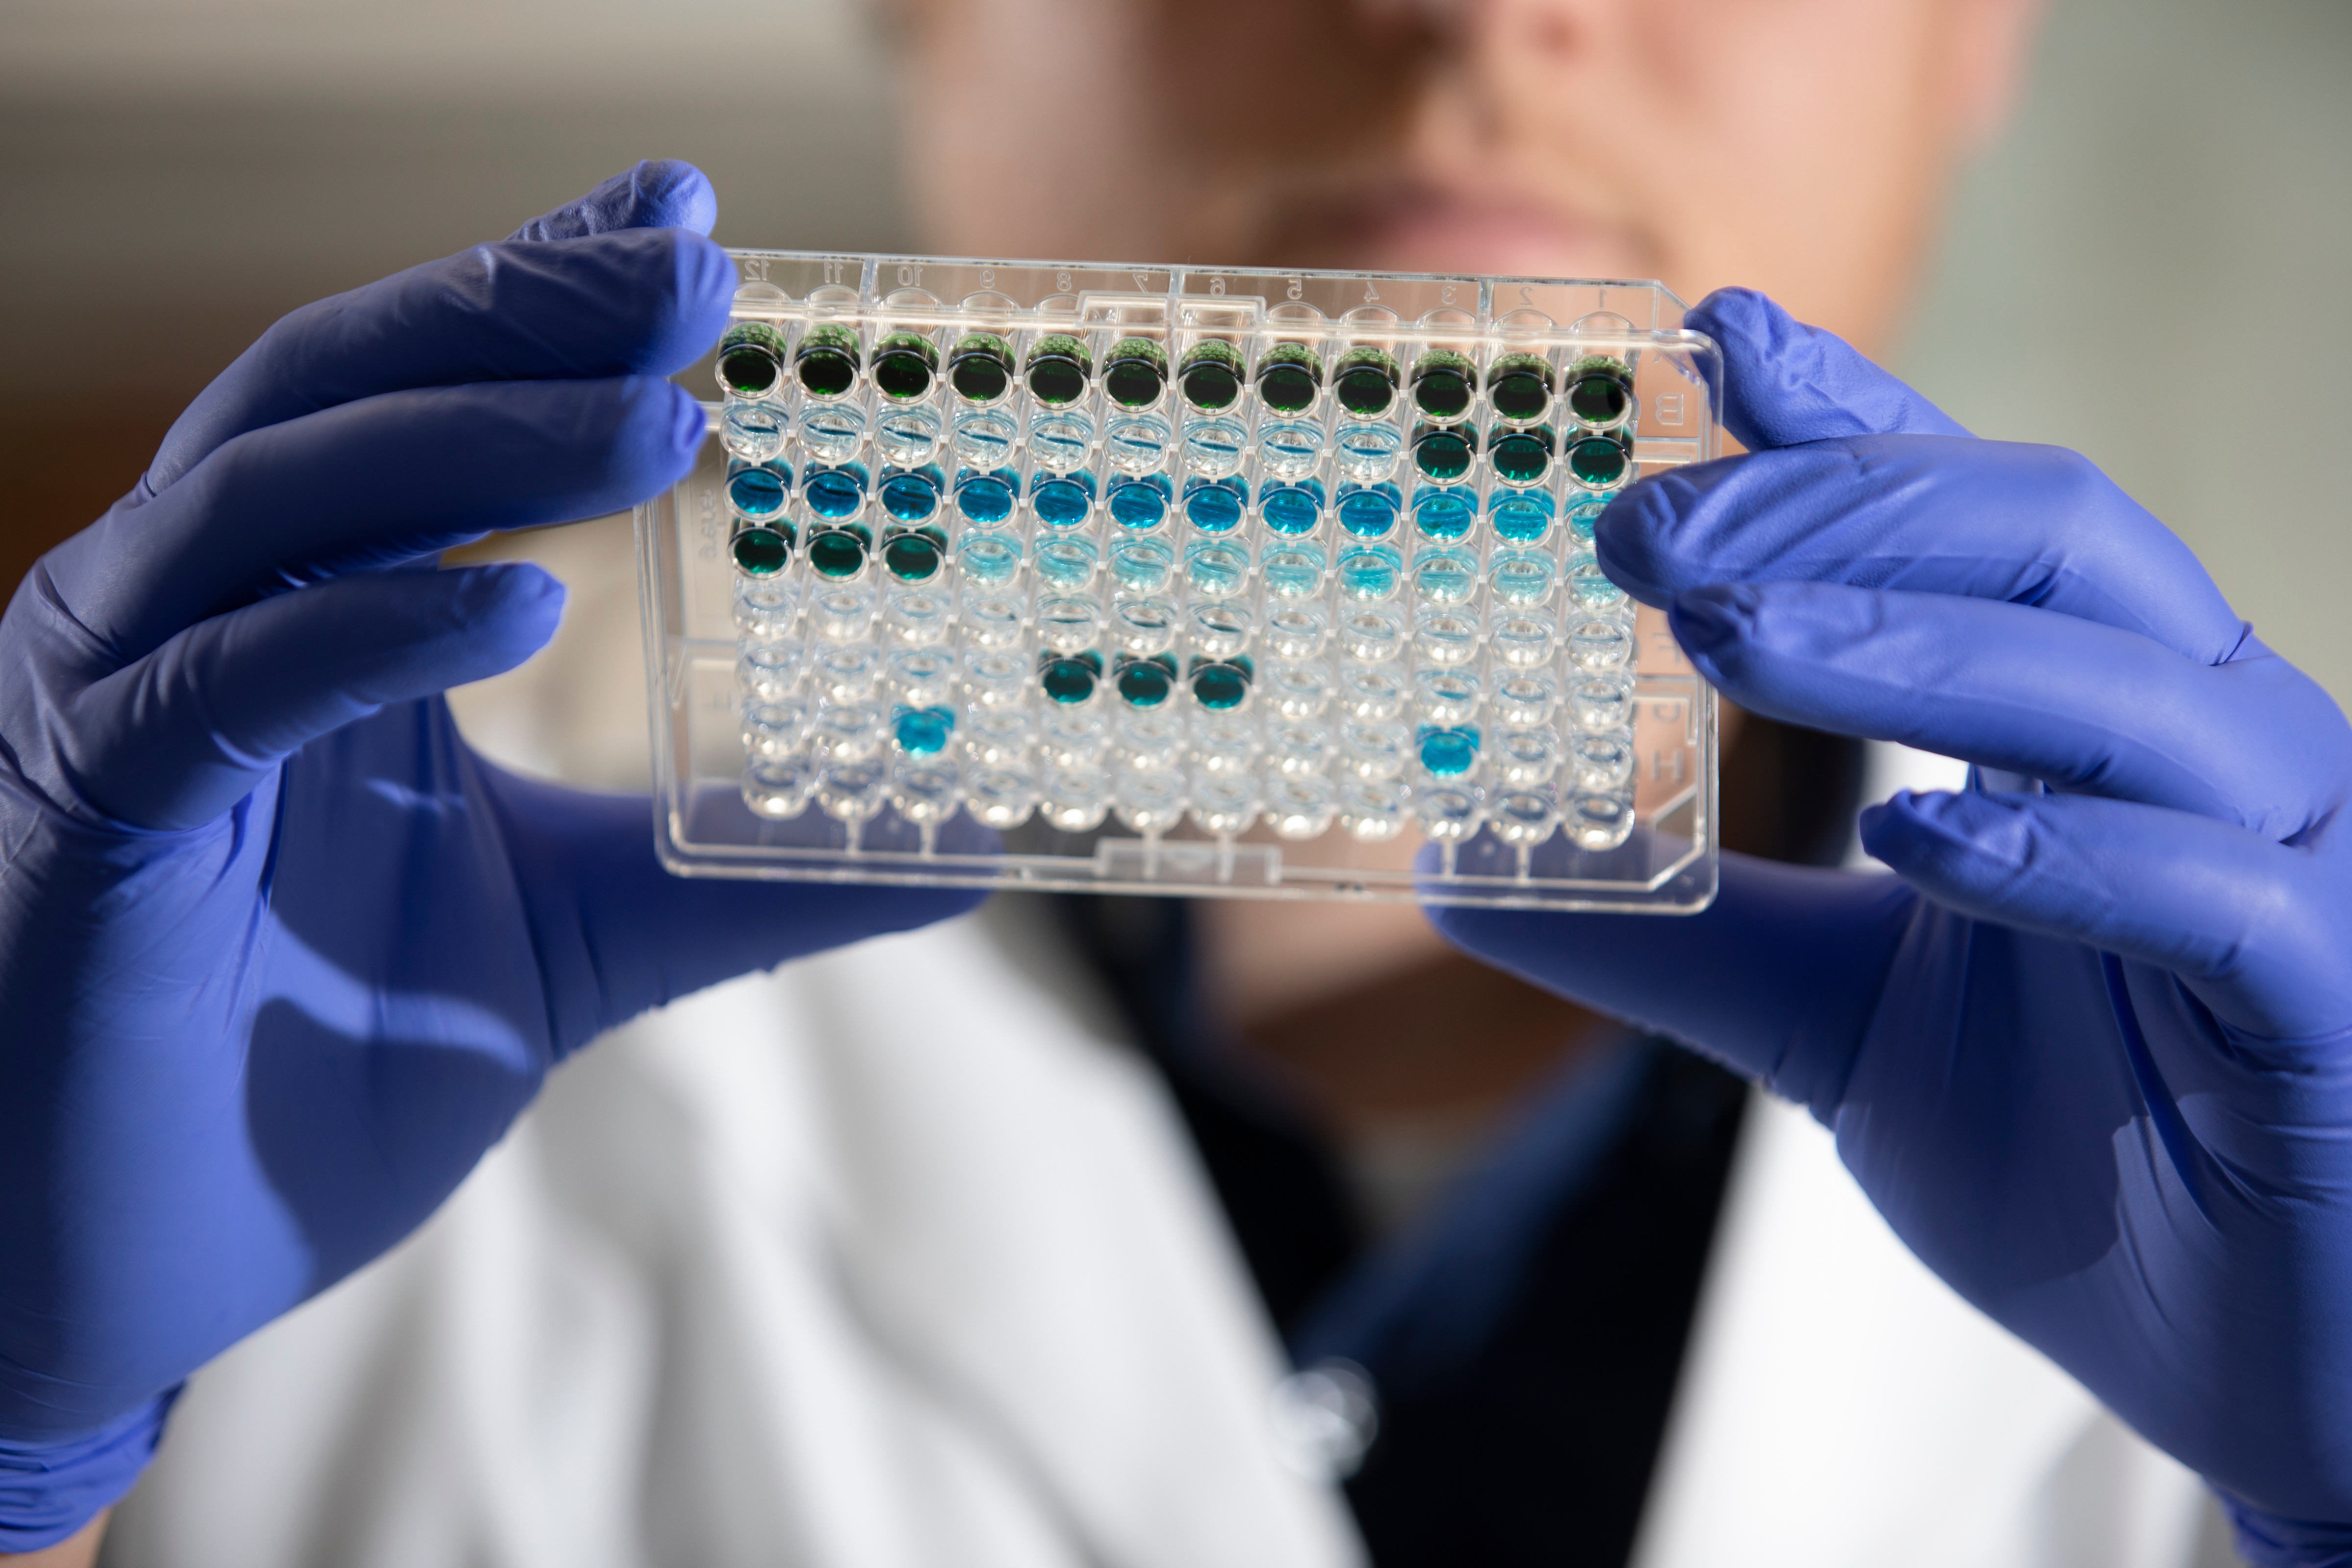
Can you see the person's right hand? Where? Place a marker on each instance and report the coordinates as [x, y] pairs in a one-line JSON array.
[[2090, 1053], [280, 956]]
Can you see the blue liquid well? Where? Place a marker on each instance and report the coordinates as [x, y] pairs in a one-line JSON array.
[[912, 496], [1292, 508], [1445, 512], [1063, 502], [923, 732], [1214, 506], [1370, 511], [1522, 516], [1140, 503], [986, 498], [1371, 573], [1448, 754], [759, 492], [835, 493], [1584, 515]]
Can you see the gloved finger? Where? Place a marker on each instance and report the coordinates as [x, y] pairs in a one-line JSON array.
[[658, 192], [617, 934], [1777, 978], [172, 740], [1928, 515], [2248, 924], [367, 485], [643, 302], [1786, 383], [2080, 706]]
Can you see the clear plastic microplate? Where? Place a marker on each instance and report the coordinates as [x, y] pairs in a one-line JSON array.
[[1141, 579]]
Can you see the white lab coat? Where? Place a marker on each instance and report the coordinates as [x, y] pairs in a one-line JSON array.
[[900, 1258], [897, 1259]]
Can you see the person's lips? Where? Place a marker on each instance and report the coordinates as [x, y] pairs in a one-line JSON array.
[[1425, 230]]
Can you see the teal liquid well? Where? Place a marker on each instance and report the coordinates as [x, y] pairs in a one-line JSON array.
[[837, 553], [1599, 462], [1447, 753], [761, 551], [923, 732], [1221, 687], [1443, 452], [1146, 682], [915, 557], [1520, 457], [1069, 680]]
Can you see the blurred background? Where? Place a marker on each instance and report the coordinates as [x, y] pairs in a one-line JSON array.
[[2154, 266]]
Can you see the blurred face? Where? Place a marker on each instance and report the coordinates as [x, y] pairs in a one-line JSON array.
[[1799, 146]]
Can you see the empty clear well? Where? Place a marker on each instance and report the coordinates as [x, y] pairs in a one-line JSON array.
[[1187, 581]]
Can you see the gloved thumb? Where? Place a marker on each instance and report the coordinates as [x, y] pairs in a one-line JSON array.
[[658, 192], [1786, 383], [172, 740]]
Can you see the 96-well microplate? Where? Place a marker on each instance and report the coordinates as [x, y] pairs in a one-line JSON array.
[[1180, 580]]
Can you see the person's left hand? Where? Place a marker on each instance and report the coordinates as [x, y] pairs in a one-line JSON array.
[[279, 955], [2091, 1051]]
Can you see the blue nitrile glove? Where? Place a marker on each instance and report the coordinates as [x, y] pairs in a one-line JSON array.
[[2091, 1052], [280, 956]]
